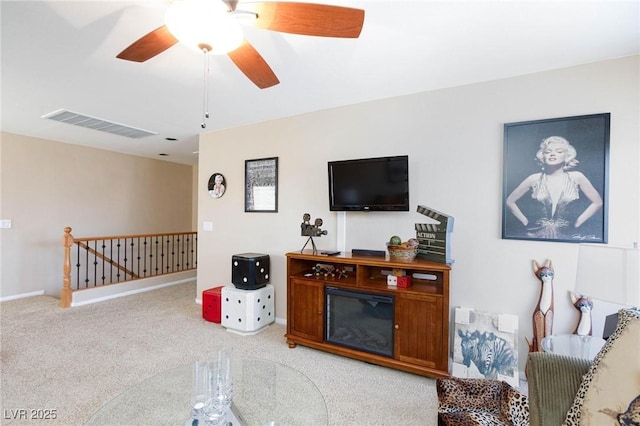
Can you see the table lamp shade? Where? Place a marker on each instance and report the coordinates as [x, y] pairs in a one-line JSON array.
[[609, 273]]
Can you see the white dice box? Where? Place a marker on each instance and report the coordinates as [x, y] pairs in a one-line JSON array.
[[392, 280], [247, 311]]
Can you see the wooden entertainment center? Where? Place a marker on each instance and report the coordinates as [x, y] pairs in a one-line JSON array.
[[421, 311]]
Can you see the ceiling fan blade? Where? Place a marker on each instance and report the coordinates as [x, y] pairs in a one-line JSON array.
[[148, 46], [247, 58], [231, 4], [308, 18]]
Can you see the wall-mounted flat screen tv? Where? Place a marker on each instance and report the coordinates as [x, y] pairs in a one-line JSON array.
[[369, 184]]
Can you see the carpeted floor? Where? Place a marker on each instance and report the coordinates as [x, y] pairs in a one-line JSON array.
[[75, 360]]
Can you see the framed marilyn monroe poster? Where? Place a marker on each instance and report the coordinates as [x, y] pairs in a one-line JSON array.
[[555, 179]]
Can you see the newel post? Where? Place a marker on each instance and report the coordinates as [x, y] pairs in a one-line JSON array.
[[65, 295]]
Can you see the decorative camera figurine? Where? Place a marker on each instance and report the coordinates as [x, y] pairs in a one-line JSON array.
[[309, 230]]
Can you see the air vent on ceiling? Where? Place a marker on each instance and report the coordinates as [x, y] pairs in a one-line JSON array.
[[89, 122]]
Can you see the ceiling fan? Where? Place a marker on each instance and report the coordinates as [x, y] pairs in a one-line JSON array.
[[223, 16]]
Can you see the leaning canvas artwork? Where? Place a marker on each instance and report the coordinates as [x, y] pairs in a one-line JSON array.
[[485, 346]]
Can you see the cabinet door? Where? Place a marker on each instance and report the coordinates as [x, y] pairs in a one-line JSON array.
[[418, 335], [306, 301]]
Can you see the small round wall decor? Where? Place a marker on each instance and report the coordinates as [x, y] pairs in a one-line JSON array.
[[217, 185]]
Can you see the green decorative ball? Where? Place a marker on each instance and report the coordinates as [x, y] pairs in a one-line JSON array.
[[395, 240]]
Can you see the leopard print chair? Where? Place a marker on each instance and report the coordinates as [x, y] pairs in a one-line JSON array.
[[465, 402]]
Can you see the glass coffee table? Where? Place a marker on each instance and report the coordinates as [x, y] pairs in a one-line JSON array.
[[265, 392]]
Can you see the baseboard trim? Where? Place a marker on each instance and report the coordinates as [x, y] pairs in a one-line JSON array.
[[22, 296], [130, 292]]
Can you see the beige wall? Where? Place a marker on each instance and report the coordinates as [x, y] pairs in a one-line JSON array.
[[454, 141], [2, 231], [47, 185], [194, 197]]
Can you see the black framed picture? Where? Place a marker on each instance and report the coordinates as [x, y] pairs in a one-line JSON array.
[[555, 179], [261, 185]]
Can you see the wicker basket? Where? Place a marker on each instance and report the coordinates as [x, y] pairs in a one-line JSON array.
[[402, 253]]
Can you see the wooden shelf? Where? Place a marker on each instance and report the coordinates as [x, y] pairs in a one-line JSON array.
[[421, 321]]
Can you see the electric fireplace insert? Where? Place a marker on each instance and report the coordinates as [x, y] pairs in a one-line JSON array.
[[359, 320]]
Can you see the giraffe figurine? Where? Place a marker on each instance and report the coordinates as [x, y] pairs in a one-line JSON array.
[[543, 314], [584, 305]]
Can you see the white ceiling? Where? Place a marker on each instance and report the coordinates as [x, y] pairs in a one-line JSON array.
[[62, 54]]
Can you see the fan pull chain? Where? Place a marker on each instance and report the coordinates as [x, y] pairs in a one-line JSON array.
[[205, 95]]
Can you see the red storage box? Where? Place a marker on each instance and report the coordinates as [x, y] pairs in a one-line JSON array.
[[404, 282], [212, 304]]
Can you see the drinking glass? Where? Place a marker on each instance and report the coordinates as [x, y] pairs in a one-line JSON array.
[[201, 394], [220, 387]]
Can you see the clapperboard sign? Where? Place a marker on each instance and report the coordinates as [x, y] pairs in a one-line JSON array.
[[435, 238]]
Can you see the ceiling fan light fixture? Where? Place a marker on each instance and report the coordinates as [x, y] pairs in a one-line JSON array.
[[204, 24]]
